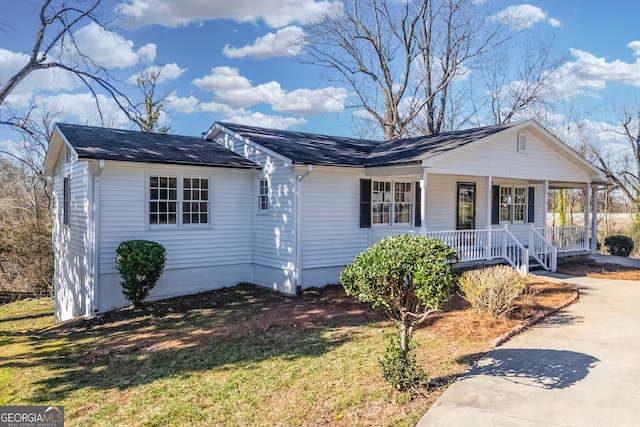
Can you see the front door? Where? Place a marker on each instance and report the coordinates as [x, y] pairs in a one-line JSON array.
[[466, 206]]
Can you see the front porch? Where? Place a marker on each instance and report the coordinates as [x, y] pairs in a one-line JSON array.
[[543, 246]]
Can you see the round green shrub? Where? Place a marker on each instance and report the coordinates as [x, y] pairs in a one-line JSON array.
[[411, 277], [140, 264], [619, 245]]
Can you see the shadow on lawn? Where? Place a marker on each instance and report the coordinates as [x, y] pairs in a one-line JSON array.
[[124, 350]]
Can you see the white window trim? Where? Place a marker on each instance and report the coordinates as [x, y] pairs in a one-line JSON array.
[[179, 224], [392, 210], [262, 211], [513, 204]]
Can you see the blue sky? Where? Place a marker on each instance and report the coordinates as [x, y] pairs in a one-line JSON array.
[[229, 60]]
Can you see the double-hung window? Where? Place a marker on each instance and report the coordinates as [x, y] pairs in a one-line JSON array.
[[391, 202], [176, 200], [263, 195], [513, 204], [195, 200]]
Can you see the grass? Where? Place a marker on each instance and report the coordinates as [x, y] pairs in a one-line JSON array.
[[235, 357]]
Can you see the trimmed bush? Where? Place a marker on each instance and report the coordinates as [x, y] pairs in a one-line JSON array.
[[140, 264], [619, 245], [493, 289], [411, 277]]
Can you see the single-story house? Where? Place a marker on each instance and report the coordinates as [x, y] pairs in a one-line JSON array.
[[288, 210]]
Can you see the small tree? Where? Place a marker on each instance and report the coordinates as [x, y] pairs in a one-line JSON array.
[[140, 263], [410, 276]]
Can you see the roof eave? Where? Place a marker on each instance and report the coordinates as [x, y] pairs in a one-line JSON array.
[[173, 162]]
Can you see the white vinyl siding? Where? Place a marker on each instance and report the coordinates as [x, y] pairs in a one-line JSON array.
[[273, 233], [123, 216], [442, 192], [70, 235], [331, 233], [498, 157]]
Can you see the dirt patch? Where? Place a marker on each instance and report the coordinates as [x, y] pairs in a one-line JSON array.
[[603, 271], [248, 309]]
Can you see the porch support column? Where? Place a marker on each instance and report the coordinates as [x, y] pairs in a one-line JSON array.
[[594, 219], [587, 211], [545, 200], [488, 209], [423, 203]]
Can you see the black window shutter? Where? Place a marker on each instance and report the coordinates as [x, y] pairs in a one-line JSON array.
[[365, 203], [495, 204], [418, 206], [531, 205]]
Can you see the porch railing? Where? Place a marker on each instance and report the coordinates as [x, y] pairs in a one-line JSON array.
[[473, 245], [513, 251], [566, 238], [470, 244], [542, 250]]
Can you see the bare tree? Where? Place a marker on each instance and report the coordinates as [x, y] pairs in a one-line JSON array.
[[152, 104], [622, 167], [55, 47], [402, 60], [372, 46], [525, 89]]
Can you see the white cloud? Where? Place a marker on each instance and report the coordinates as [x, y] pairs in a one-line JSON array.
[[635, 45], [81, 108], [588, 72], [147, 53], [174, 13], [554, 22], [285, 42], [181, 104], [232, 89], [109, 49], [524, 16], [262, 120], [165, 72], [308, 102]]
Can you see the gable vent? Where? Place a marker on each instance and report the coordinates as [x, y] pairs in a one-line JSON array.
[[522, 142], [67, 157]]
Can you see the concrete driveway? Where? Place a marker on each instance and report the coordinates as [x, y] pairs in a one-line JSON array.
[[580, 367]]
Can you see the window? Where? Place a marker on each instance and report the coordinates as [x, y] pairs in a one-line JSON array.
[[195, 204], [381, 202], [389, 206], [506, 199], [402, 203], [263, 195], [166, 207], [66, 201], [513, 204], [466, 213], [519, 204]]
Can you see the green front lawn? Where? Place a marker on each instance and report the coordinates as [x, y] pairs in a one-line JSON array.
[[236, 357]]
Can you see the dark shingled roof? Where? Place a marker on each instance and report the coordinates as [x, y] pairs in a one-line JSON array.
[[308, 148], [414, 150], [134, 146]]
